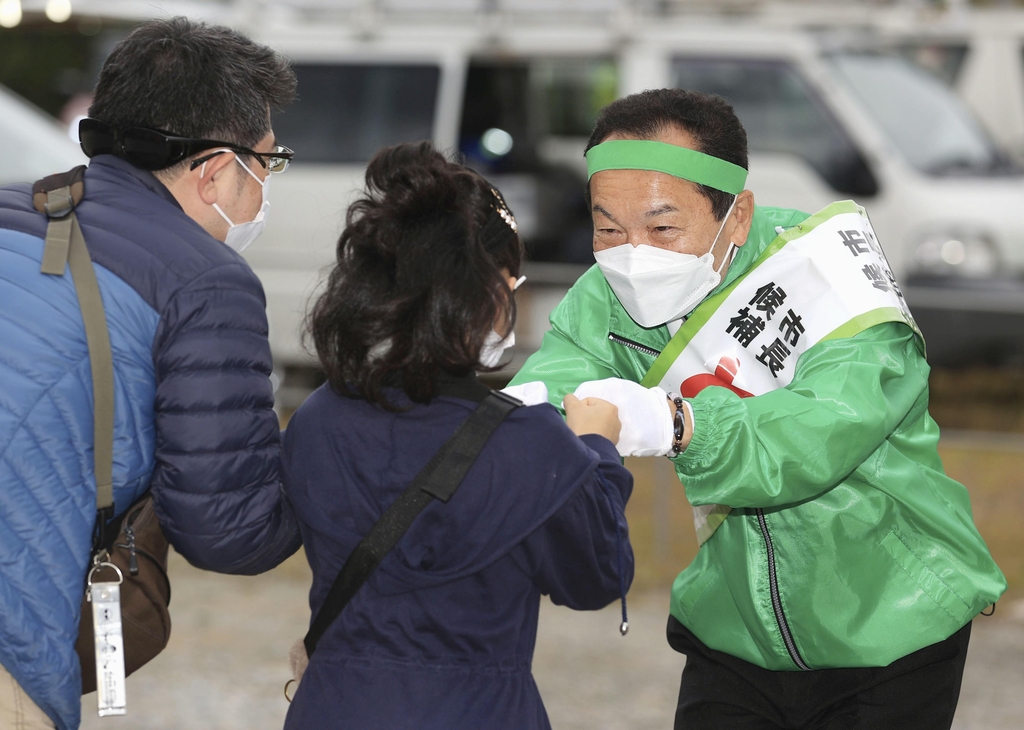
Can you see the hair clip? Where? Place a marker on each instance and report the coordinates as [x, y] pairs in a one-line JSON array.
[[504, 212]]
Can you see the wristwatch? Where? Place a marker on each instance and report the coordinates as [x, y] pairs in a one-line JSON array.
[[678, 425]]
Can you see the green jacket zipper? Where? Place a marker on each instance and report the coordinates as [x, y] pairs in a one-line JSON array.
[[619, 339], [773, 585]]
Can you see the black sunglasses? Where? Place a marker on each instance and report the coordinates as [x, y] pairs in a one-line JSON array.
[[154, 149]]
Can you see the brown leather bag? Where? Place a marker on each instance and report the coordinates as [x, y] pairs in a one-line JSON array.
[[140, 552], [134, 543]]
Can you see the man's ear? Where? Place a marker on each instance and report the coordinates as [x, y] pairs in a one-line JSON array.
[[742, 217], [210, 174]]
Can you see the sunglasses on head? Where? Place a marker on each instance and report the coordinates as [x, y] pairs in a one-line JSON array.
[[154, 149]]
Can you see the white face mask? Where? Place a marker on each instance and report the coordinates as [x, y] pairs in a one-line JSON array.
[[494, 347], [655, 285], [494, 344], [241, 235]]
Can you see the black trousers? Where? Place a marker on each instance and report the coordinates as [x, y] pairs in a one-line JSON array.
[[721, 692]]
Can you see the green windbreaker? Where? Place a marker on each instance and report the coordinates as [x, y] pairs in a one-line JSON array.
[[847, 545]]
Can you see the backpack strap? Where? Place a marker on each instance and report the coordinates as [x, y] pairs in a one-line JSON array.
[[438, 480], [56, 196]]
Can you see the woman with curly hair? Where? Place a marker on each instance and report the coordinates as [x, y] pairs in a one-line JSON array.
[[442, 633]]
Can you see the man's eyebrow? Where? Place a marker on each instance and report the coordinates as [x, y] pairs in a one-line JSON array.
[[663, 209], [605, 213]]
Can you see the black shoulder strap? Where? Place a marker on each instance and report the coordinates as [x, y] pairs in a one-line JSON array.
[[438, 480]]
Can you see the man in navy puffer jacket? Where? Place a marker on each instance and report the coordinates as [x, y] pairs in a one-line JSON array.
[[194, 405]]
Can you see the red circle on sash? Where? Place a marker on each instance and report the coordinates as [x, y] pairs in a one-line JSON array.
[[725, 374]]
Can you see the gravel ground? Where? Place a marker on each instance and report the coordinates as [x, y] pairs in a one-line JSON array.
[[226, 664]]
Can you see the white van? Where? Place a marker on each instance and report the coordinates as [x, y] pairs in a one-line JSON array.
[[518, 99]]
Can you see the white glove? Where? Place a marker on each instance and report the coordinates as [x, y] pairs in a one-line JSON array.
[[530, 394], [644, 413]]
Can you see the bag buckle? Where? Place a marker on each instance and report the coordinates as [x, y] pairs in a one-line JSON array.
[[59, 203]]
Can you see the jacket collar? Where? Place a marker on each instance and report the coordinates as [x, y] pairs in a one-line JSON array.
[[144, 177], [466, 387]]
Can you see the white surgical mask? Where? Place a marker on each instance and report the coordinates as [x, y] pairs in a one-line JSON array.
[[494, 344], [494, 347], [655, 285], [241, 235]]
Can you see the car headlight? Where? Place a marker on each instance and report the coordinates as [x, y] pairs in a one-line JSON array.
[[957, 253]]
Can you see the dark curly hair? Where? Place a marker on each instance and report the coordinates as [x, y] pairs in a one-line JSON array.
[[419, 282]]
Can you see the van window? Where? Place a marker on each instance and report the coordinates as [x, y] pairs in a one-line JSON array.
[[925, 119], [497, 97], [781, 114], [525, 124], [534, 100], [571, 92], [346, 112], [942, 60]]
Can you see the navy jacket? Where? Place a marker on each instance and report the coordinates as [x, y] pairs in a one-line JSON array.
[[441, 636], [194, 412]]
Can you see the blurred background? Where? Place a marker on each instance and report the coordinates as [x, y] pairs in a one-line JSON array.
[[913, 108]]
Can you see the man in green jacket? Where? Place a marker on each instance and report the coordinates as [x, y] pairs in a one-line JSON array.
[[797, 418]]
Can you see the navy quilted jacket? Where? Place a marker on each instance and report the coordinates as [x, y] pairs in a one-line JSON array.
[[193, 412], [441, 636]]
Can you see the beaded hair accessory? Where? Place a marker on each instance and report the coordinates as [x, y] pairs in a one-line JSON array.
[[503, 211]]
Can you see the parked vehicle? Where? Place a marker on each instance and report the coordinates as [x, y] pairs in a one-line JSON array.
[[979, 54], [826, 120], [34, 144]]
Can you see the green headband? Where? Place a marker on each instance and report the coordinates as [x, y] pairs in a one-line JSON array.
[[633, 154]]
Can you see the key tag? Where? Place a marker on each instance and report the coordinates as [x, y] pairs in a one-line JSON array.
[[105, 597]]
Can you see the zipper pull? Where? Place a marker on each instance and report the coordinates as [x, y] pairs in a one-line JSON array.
[[133, 558]]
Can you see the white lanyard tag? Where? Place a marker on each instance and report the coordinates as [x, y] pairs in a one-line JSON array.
[[106, 622]]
